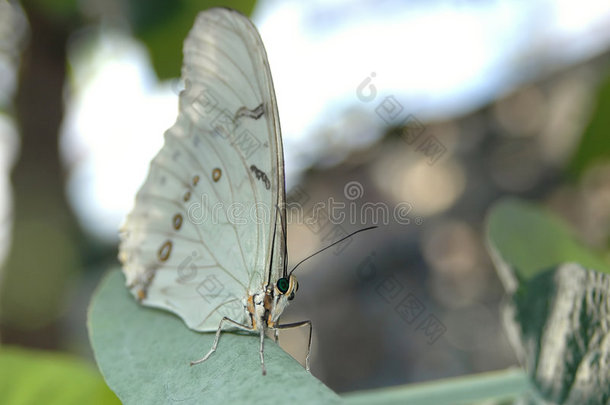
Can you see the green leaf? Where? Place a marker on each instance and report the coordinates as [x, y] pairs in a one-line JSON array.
[[594, 146], [59, 10], [558, 315], [144, 355], [37, 377], [559, 324], [524, 240], [163, 25], [494, 386]]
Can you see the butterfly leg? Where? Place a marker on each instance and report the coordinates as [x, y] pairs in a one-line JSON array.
[[262, 350], [298, 325], [276, 336], [213, 349]]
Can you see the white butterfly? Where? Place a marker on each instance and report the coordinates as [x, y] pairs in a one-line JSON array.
[[206, 238]]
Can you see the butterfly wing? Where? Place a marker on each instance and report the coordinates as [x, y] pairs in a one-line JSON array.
[[205, 231]]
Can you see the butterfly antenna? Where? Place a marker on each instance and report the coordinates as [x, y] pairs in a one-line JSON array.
[[272, 252], [285, 237], [329, 246]]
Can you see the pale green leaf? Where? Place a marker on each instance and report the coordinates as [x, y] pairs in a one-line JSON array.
[[490, 388], [144, 355], [525, 240]]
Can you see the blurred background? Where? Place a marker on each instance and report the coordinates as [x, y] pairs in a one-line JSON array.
[[417, 115]]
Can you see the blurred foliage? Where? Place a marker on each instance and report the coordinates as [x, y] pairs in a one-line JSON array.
[[555, 313], [55, 9], [43, 253], [163, 24], [532, 240], [37, 292], [559, 319], [37, 377], [594, 146]]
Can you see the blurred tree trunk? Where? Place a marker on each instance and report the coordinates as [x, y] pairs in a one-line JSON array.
[[43, 252]]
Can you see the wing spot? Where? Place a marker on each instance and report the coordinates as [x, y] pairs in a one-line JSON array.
[[177, 221], [255, 113], [216, 173], [187, 196], [165, 250], [195, 179], [260, 175]]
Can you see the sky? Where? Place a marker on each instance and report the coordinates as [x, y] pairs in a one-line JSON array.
[[343, 71]]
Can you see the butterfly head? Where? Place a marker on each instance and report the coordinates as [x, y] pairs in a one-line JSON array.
[[277, 297], [286, 287]]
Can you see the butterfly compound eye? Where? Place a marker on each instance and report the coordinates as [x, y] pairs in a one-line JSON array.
[[282, 285]]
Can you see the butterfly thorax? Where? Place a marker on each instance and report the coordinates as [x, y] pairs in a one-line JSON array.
[[265, 307]]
